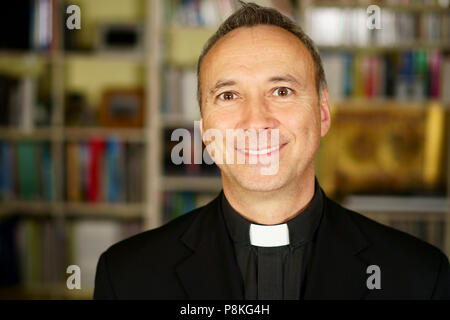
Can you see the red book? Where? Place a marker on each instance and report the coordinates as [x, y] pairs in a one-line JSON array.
[[435, 75], [369, 76], [96, 149]]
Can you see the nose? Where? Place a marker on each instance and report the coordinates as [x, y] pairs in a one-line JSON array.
[[257, 115]]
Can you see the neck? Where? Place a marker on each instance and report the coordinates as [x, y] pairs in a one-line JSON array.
[[271, 207]]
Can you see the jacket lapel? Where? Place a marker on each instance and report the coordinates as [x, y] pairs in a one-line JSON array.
[[336, 270], [211, 271]]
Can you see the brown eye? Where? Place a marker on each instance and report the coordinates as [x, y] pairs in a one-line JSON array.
[[282, 92], [226, 96]]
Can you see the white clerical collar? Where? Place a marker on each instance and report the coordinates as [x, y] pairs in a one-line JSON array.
[[269, 236]]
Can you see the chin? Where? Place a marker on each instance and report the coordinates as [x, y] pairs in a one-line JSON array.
[[255, 181]]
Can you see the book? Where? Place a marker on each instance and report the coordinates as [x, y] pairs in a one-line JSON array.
[[6, 171], [134, 163], [94, 181], [89, 239], [73, 172], [27, 170], [114, 175], [9, 257], [47, 172], [334, 67]]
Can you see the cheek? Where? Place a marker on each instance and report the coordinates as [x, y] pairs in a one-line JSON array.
[[215, 124], [218, 119], [303, 120], [221, 118]]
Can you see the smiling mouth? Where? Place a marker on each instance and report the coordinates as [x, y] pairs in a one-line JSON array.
[[261, 152]]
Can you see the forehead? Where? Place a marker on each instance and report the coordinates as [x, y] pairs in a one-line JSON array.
[[255, 50]]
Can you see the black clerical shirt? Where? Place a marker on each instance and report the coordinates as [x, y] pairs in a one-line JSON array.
[[275, 273]]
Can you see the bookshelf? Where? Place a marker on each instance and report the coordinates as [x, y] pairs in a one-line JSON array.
[[61, 213], [175, 45]]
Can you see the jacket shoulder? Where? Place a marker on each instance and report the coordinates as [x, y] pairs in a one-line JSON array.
[[401, 254], [408, 267], [163, 237], [142, 266], [389, 238]]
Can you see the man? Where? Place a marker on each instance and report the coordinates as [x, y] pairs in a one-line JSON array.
[[269, 236]]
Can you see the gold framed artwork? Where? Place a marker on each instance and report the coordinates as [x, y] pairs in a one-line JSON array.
[[386, 149]]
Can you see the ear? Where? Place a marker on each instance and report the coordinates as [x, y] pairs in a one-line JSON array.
[[325, 115]]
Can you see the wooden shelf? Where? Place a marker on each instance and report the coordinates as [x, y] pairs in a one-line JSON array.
[[77, 209], [183, 183], [118, 210], [73, 134], [126, 134], [36, 134], [399, 204], [24, 54], [30, 207], [99, 55]]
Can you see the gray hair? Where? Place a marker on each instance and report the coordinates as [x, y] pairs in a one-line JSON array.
[[251, 14]]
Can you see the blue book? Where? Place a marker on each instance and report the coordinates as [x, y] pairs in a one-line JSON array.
[[27, 170], [408, 67], [405, 76], [84, 167], [348, 75], [189, 201], [113, 183], [47, 172], [6, 185]]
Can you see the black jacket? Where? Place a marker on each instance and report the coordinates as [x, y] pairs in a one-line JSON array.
[[192, 257]]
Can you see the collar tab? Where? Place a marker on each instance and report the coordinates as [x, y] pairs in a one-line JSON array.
[[269, 236]]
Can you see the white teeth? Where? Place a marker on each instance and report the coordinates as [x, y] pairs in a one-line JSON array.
[[262, 151]]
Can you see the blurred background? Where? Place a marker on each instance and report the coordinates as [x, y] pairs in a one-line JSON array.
[[86, 116]]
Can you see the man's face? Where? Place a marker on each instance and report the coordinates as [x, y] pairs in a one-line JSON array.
[[262, 79]]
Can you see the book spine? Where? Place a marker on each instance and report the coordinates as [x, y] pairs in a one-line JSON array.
[[94, 170], [27, 170], [112, 170]]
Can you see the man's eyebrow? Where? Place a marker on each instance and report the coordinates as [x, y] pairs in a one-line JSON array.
[[286, 78], [220, 84], [279, 78]]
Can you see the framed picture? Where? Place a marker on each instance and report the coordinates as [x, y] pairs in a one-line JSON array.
[[122, 108], [387, 149]]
